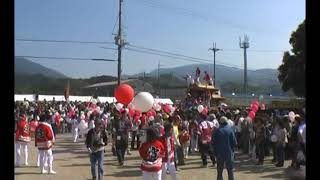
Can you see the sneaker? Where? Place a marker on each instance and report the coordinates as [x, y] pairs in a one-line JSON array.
[[26, 164], [52, 172], [43, 171], [129, 153]]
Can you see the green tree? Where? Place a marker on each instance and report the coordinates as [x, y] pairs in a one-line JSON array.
[[292, 70]]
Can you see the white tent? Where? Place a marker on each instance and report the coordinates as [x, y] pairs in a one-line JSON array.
[[21, 97], [163, 101], [50, 97]]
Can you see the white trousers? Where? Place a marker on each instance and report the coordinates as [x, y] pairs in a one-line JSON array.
[[24, 147], [75, 134], [151, 175], [185, 148], [172, 170], [38, 160], [46, 156]]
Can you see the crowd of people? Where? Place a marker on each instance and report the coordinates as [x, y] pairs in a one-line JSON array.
[[164, 139]]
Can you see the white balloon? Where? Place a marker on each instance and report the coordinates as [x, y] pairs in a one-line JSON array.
[[143, 101], [200, 108]]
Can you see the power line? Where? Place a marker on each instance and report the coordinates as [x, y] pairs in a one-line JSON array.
[[64, 41], [190, 13], [163, 55], [180, 55], [174, 54], [65, 58], [253, 50], [109, 48]]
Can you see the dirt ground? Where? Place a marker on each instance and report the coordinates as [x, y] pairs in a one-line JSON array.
[[71, 162]]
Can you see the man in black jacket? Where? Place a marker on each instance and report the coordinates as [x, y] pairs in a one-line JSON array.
[[95, 142]]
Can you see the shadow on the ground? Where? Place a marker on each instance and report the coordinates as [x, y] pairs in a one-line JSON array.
[[22, 173], [129, 173], [74, 165]]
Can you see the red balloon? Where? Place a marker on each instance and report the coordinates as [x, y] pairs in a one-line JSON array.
[[255, 102], [252, 114], [124, 94], [255, 108]]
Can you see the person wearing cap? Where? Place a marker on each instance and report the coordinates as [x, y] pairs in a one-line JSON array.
[[224, 142], [96, 140]]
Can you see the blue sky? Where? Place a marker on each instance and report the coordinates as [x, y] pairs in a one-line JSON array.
[[182, 26]]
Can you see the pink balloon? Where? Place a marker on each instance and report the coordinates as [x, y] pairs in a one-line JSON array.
[[252, 114], [166, 108]]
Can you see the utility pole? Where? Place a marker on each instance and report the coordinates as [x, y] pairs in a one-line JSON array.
[[245, 44], [214, 49], [120, 42]]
